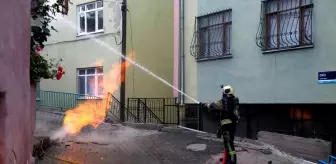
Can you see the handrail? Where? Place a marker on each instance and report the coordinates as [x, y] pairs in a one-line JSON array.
[[115, 99]]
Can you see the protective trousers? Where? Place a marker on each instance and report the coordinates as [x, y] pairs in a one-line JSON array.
[[228, 130]]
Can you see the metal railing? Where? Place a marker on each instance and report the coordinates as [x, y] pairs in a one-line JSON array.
[[155, 110], [62, 100], [212, 35], [285, 25], [113, 107]]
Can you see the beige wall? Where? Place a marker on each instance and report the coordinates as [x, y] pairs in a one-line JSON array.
[[152, 30], [81, 52], [78, 54], [190, 63], [66, 25]]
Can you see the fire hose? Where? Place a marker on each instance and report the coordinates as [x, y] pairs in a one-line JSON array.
[[56, 158]]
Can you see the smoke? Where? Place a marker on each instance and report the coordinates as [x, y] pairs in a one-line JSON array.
[[111, 134], [58, 134]]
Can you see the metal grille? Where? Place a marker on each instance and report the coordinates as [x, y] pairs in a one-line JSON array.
[[155, 110], [285, 24], [212, 36], [113, 107]]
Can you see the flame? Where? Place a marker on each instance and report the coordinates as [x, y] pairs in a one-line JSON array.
[[92, 111]]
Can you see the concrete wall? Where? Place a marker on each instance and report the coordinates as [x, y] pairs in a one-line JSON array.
[[78, 54], [150, 33], [16, 118], [81, 51], [282, 77]]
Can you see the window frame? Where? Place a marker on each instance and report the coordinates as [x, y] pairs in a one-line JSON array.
[[96, 10], [96, 84], [302, 29], [226, 41]]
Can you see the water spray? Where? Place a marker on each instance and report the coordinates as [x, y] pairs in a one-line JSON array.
[[73, 26]]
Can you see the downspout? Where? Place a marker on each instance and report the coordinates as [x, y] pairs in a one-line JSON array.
[[181, 50]]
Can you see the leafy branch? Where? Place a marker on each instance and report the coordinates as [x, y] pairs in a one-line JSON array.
[[43, 13]]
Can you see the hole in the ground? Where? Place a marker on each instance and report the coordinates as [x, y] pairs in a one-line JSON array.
[[196, 147]]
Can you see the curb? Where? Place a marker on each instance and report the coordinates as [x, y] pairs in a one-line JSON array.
[[158, 127]]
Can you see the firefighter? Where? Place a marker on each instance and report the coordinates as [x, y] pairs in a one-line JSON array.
[[228, 106]]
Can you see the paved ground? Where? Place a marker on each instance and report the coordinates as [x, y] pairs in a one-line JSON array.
[[125, 145]]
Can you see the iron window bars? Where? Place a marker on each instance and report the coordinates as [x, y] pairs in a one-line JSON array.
[[212, 35], [285, 24]]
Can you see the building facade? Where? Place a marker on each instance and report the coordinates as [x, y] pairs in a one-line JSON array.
[[286, 45], [271, 52], [88, 42], [91, 34]]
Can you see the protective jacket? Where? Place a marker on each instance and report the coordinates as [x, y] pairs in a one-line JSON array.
[[228, 107]]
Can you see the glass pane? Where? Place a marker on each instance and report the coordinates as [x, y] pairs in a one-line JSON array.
[[205, 42], [82, 23], [91, 21], [227, 40], [99, 4], [82, 8], [81, 72], [100, 85], [215, 19], [90, 6], [203, 22], [272, 32], [308, 38], [289, 34], [100, 69], [90, 84], [81, 85], [90, 71], [271, 6], [100, 20], [227, 16], [216, 38]]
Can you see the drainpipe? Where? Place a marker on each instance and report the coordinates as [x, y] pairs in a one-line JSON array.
[[123, 67], [181, 50]]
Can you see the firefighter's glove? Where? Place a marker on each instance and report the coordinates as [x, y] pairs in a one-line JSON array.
[[203, 105]]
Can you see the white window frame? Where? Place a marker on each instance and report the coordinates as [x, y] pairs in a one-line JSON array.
[[80, 12], [96, 75]]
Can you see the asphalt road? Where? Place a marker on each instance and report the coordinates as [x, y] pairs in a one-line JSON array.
[[117, 144]]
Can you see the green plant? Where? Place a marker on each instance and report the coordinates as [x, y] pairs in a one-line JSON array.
[[43, 12]]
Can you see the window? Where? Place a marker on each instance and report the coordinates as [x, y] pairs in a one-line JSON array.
[[90, 81], [65, 7], [213, 35], [286, 24], [90, 18]]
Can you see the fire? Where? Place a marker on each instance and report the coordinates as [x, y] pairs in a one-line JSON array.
[[92, 111]]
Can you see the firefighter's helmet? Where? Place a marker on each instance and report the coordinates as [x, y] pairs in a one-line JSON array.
[[228, 90]]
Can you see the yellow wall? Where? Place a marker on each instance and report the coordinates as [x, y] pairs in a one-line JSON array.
[[190, 63], [152, 35]]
